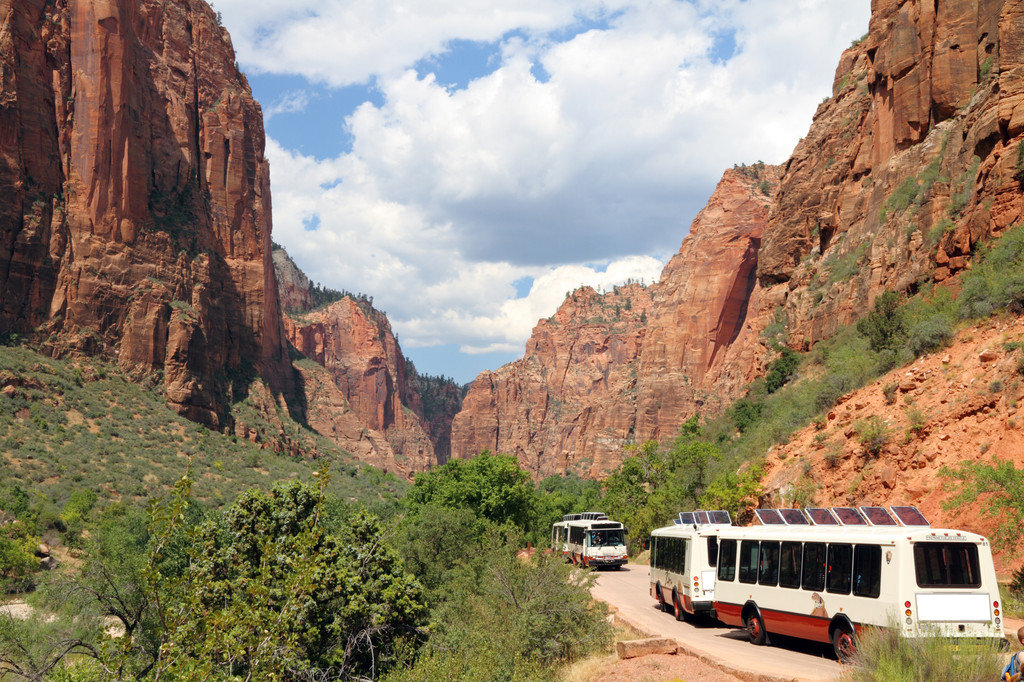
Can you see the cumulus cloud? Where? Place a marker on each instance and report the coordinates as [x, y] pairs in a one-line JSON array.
[[595, 138]]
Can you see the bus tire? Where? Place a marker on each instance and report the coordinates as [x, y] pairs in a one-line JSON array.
[[844, 642], [755, 628], [662, 604]]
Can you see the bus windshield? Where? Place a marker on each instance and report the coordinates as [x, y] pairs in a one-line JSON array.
[[606, 538]]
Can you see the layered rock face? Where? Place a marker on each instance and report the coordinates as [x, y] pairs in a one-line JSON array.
[[703, 345], [914, 160], [633, 364], [354, 342], [134, 196], [569, 404], [910, 164]]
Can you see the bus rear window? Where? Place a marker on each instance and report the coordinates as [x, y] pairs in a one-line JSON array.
[[946, 564]]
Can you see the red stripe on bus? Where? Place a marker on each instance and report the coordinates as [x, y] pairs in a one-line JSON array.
[[730, 614], [796, 625]]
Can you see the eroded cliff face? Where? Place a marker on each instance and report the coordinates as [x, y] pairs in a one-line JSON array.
[[624, 367], [914, 160], [356, 346], [134, 196], [910, 164]]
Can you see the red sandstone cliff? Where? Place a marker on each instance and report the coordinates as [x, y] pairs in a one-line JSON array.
[[354, 342], [913, 161], [593, 380], [134, 195], [569, 404], [906, 168]]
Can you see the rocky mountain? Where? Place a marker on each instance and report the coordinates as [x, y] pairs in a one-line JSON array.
[[134, 197], [912, 162], [404, 419], [633, 364]]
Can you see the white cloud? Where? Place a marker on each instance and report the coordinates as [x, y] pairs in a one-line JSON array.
[[448, 196]]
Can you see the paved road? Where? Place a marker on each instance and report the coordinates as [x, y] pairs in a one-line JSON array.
[[789, 659]]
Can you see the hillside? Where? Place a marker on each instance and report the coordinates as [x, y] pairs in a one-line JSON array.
[[912, 163], [959, 404]]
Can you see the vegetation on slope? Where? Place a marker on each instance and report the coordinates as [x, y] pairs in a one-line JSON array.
[[716, 464], [294, 584]]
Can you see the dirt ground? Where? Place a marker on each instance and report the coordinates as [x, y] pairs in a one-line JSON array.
[[664, 668]]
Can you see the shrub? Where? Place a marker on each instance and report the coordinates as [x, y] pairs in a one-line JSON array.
[[997, 279], [884, 327], [917, 420], [873, 433], [889, 391], [929, 335], [883, 654], [782, 370]]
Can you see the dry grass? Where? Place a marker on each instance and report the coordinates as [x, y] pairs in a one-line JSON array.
[[592, 667]]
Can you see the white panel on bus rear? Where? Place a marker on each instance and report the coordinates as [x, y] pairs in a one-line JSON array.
[[958, 608]]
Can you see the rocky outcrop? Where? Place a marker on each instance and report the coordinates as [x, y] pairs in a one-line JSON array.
[[293, 287], [910, 164], [914, 160], [354, 342], [134, 196], [569, 404], [703, 344]]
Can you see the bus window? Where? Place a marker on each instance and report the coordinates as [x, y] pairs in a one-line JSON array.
[[712, 551], [867, 570], [814, 566], [840, 567], [748, 561], [607, 538], [789, 564], [769, 568], [727, 560], [653, 544], [946, 564]]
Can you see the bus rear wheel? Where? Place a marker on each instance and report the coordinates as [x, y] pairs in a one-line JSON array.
[[755, 629], [844, 643], [680, 611]]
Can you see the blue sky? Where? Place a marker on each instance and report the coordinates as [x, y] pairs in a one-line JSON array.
[[468, 162]]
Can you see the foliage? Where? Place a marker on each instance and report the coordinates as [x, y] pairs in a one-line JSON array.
[[271, 594], [1001, 485], [996, 279], [435, 540], [883, 654], [782, 370], [746, 412], [78, 427], [885, 327], [493, 486], [513, 620], [873, 434]]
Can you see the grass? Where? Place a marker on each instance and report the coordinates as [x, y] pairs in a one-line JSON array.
[[69, 426], [882, 654]]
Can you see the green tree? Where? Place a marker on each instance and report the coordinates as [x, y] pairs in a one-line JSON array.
[[885, 327], [515, 619], [1002, 485], [270, 594], [493, 486]]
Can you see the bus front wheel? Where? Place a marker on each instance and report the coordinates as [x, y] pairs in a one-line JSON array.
[[755, 629], [844, 643]]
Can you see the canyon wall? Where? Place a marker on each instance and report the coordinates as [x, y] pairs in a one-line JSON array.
[[134, 197], [912, 162], [630, 365]]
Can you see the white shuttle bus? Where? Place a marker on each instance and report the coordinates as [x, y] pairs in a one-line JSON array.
[[827, 575], [593, 540], [560, 535], [683, 560]]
